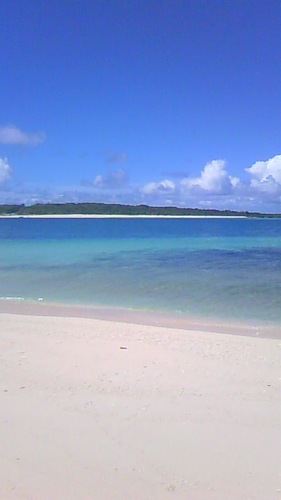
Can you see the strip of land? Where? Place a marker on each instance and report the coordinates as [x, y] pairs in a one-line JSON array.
[[118, 216], [119, 210], [92, 408]]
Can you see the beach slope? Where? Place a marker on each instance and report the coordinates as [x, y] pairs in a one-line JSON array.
[[110, 410]]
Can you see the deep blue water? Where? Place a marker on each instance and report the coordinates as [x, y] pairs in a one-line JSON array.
[[225, 268]]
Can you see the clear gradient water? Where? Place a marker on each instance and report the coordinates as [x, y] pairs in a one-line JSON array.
[[224, 268]]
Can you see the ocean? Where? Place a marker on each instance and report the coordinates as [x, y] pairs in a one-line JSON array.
[[226, 269]]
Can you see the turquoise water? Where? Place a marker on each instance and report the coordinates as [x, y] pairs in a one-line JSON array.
[[224, 268]]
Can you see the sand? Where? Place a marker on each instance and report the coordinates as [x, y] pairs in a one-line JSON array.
[[95, 409], [119, 216]]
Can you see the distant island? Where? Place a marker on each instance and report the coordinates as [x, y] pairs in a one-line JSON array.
[[118, 209]]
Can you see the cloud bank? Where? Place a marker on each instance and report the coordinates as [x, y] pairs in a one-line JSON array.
[[13, 135], [258, 189], [215, 187]]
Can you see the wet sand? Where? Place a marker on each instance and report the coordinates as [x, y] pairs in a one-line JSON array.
[[92, 408], [140, 317]]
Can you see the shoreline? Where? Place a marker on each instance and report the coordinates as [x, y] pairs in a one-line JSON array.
[[171, 320], [121, 216]]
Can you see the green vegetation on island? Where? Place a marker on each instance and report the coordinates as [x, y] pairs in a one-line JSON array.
[[118, 209]]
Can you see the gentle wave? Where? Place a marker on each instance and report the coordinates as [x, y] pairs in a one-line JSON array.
[[20, 298]]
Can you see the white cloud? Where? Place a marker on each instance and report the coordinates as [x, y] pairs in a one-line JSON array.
[[5, 170], [267, 185], [113, 180], [214, 187], [98, 181], [165, 186], [266, 173], [234, 181], [13, 135], [214, 178]]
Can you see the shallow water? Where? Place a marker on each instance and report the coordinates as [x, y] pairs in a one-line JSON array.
[[223, 268]]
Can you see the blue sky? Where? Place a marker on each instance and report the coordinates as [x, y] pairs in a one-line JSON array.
[[171, 102]]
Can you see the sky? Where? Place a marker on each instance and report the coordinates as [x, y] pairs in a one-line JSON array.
[[161, 102]]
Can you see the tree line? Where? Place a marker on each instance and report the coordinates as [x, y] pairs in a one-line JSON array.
[[119, 209]]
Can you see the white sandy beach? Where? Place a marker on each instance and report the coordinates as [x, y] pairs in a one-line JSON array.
[[119, 216], [94, 409]]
